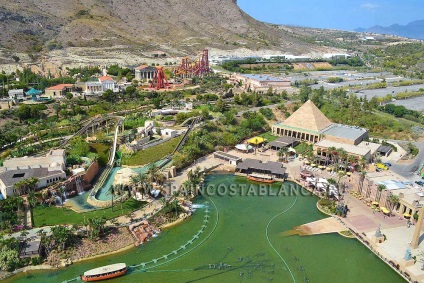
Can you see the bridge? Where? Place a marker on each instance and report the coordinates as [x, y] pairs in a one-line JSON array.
[[93, 125]]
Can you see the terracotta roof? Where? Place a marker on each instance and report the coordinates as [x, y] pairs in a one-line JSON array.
[[105, 78], [59, 87], [141, 67], [308, 117]]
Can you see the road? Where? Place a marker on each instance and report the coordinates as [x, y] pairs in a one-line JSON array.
[[408, 170]]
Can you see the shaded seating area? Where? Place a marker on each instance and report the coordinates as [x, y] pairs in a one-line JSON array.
[[384, 150], [256, 141], [282, 142], [30, 249], [252, 166]]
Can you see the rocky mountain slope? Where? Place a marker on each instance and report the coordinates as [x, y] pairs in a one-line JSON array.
[[177, 27]]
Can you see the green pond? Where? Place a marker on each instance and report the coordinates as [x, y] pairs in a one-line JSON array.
[[240, 238]]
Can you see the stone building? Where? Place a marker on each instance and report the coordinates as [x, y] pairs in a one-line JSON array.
[[144, 72]]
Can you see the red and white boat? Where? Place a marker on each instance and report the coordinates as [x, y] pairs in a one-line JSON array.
[[104, 272]]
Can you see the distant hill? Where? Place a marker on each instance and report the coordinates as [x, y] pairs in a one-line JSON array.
[[414, 29], [168, 25]]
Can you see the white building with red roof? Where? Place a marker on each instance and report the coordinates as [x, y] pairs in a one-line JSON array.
[[100, 85]]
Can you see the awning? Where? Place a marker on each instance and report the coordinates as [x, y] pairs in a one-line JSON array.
[[407, 215], [385, 210], [375, 203], [307, 162], [244, 147], [256, 140], [329, 169], [292, 150]]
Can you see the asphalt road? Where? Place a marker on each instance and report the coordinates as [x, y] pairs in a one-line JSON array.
[[408, 170]]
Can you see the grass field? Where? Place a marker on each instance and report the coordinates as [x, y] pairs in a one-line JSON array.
[[48, 216], [152, 154], [268, 136]]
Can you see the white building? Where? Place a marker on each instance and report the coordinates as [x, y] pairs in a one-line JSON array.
[[168, 133], [100, 85], [16, 94], [47, 169]]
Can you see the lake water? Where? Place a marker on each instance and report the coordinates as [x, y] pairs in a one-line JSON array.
[[240, 238]]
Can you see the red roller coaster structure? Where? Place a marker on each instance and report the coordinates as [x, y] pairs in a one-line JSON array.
[[199, 67], [159, 80]]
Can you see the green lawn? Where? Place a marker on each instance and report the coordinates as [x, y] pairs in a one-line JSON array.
[[268, 136], [152, 154], [48, 216]]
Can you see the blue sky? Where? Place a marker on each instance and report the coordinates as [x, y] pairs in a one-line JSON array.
[[338, 14]]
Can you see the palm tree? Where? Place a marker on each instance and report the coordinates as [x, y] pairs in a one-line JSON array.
[[61, 192], [363, 162], [380, 188], [361, 181], [280, 153], [112, 192], [153, 173], [393, 200], [285, 152], [143, 185]]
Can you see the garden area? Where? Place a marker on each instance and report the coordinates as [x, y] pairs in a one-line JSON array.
[[51, 215], [151, 154]]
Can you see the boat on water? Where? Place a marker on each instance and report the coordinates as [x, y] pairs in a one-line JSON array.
[[104, 272], [261, 178]]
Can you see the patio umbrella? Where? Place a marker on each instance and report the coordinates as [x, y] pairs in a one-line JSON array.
[[329, 169], [307, 162], [385, 210]]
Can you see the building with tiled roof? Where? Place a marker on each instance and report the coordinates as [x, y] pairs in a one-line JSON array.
[[58, 91], [100, 85]]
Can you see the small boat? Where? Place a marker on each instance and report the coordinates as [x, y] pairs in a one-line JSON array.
[[104, 272], [261, 178]]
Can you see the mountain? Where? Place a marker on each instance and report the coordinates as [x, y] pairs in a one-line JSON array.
[[414, 29], [174, 26]]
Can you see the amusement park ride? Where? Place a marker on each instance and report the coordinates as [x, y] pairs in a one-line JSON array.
[[187, 69], [159, 80], [198, 67]]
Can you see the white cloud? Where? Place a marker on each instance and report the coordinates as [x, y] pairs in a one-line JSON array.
[[369, 6]]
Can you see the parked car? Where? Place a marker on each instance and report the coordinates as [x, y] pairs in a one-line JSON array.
[[381, 166], [421, 183], [387, 164]]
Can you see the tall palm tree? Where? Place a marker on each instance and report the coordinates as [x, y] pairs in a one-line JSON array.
[[153, 172], [393, 200], [61, 192], [111, 191], [380, 189], [362, 176], [143, 184]]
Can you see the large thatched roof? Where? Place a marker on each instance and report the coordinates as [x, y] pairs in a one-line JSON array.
[[309, 117]]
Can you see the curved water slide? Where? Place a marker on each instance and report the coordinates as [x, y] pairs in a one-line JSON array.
[[105, 174]]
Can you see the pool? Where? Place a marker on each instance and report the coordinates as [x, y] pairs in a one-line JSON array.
[[243, 239]]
